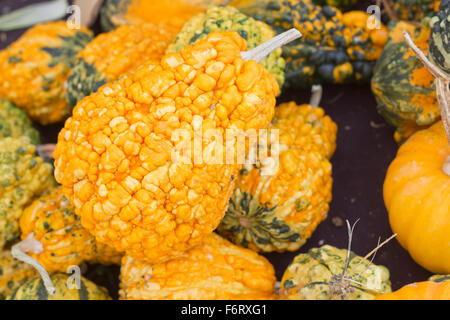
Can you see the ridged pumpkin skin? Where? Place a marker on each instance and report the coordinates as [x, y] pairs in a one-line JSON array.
[[34, 69], [415, 186], [437, 288], [213, 270], [414, 10], [23, 177], [279, 210], [114, 156], [402, 86], [315, 276], [224, 18], [440, 38], [34, 289], [65, 241], [111, 55], [15, 123], [13, 273], [334, 47]]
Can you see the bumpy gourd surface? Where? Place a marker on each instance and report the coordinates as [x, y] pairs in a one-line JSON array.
[[15, 123], [278, 210], [34, 289], [402, 86], [440, 38], [437, 288], [110, 55], [13, 273], [34, 69], [64, 240], [114, 156], [413, 9], [222, 18], [23, 177], [216, 269], [334, 47], [415, 186], [314, 276]]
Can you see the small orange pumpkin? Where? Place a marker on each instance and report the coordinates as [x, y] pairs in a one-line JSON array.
[[436, 288]]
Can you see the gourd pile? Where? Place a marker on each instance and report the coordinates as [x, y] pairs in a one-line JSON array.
[[153, 85]]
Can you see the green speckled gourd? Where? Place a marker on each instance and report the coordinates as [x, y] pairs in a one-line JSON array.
[[334, 47], [225, 18], [23, 177], [34, 289], [341, 4], [439, 52], [15, 123], [13, 273], [413, 10], [111, 8], [402, 86], [317, 275]]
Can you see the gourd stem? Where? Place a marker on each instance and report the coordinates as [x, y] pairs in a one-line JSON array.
[[45, 151], [31, 244], [316, 95], [442, 82], [263, 50]]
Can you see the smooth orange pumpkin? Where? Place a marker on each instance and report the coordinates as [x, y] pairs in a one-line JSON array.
[[437, 288]]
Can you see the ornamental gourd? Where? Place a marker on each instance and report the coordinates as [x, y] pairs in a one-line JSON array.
[[224, 18], [50, 222], [412, 10], [436, 288], [321, 274], [334, 48], [213, 270], [66, 289], [115, 155], [279, 209], [12, 273], [35, 68], [110, 55], [23, 177], [341, 4], [15, 123], [402, 86], [439, 52], [417, 186]]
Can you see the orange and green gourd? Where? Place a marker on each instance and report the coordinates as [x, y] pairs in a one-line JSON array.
[[226, 18], [111, 55], [341, 4], [321, 274], [114, 155], [13, 273], [335, 47], [64, 241], [66, 289], [35, 68], [402, 86], [23, 177], [214, 270], [277, 209], [436, 288], [15, 123], [412, 10]]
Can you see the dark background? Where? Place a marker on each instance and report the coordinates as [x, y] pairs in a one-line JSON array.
[[365, 148]]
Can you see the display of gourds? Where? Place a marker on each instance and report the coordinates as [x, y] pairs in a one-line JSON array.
[[277, 207], [23, 177], [34, 289], [402, 86], [150, 108], [64, 241], [436, 288], [328, 273], [216, 269], [13, 273], [110, 55], [34, 69], [334, 48]]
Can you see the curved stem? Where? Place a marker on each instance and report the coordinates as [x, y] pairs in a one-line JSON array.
[[31, 244], [316, 95], [263, 50]]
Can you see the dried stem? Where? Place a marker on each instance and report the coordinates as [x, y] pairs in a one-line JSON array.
[[316, 95], [30, 244], [263, 50], [45, 151]]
